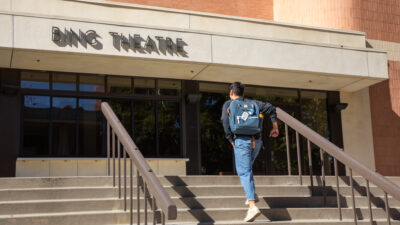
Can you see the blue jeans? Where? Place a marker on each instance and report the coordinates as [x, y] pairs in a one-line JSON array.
[[245, 156]]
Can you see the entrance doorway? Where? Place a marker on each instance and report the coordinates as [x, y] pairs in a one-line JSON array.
[[217, 154]]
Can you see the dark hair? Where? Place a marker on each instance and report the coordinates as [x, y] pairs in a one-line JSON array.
[[237, 88]]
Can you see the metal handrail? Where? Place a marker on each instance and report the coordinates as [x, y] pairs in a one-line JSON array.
[[338, 154], [150, 181]]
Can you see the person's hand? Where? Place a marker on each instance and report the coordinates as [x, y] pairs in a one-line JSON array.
[[275, 131], [233, 144]]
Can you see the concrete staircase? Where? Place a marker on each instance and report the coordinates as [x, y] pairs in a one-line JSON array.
[[200, 200]]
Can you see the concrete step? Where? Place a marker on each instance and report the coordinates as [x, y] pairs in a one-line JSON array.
[[42, 182], [77, 205], [194, 215], [177, 191]]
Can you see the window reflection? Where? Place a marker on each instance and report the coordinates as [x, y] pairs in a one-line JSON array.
[[216, 151], [89, 83], [315, 115], [35, 80], [145, 127], [119, 85], [277, 95], [122, 108], [36, 121], [169, 87], [90, 127], [64, 126], [314, 111], [64, 82], [144, 86], [169, 128]]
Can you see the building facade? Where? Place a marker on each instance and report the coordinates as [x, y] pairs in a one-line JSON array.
[[165, 67]]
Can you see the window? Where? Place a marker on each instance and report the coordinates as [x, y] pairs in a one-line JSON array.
[[35, 80], [278, 95], [89, 83], [169, 87], [66, 109], [36, 111], [64, 82], [119, 85], [90, 127], [63, 114], [144, 86], [169, 127], [144, 114]]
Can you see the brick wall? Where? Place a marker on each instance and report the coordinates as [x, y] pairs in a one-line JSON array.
[[260, 9], [386, 122], [380, 19]]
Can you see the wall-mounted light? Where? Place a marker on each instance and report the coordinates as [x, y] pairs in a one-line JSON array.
[[338, 107]]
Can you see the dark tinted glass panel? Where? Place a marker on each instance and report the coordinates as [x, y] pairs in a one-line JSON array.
[[145, 127], [272, 159], [119, 85], [88, 83], [275, 95], [64, 126], [314, 111], [214, 88], [144, 86], [36, 125], [217, 154], [35, 80], [90, 127], [315, 115], [122, 108], [169, 127], [64, 82], [169, 87]]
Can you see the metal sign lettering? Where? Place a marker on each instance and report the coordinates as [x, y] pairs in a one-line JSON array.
[[133, 42]]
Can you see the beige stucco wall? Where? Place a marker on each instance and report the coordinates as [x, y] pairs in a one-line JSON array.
[[49, 167], [357, 127]]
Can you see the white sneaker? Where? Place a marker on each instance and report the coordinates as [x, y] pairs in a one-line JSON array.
[[252, 214], [247, 201]]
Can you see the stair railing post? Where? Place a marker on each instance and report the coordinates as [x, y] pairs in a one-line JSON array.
[[387, 209], [113, 156], [371, 219], [119, 167], [339, 203], [310, 165], [288, 150], [298, 157], [138, 196], [145, 202], [108, 149], [124, 155], [323, 174], [153, 206], [131, 193], [352, 197]]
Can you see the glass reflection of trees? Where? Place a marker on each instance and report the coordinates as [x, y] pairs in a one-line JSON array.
[[216, 152], [315, 115]]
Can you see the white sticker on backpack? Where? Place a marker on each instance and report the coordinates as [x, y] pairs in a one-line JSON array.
[[245, 115]]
